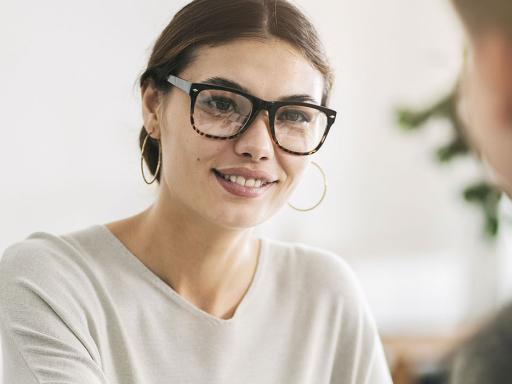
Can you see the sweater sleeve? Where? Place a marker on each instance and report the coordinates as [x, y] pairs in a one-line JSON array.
[[44, 337], [15, 368]]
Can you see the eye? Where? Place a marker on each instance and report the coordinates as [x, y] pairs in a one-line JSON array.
[[294, 116], [222, 104]]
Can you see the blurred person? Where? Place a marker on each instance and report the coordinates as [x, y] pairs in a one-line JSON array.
[[486, 357], [486, 90], [486, 95], [234, 104]]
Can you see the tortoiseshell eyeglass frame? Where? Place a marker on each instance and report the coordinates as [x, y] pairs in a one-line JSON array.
[[193, 89]]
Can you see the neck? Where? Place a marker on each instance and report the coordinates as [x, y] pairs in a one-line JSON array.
[[209, 265]]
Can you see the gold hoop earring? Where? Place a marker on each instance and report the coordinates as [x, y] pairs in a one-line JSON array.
[[324, 192], [142, 160]]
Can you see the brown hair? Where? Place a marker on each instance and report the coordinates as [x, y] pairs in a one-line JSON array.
[[479, 15], [212, 22]]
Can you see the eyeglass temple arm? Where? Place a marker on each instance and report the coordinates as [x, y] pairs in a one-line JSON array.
[[179, 83]]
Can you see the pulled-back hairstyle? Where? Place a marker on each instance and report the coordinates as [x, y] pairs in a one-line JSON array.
[[479, 15], [214, 22]]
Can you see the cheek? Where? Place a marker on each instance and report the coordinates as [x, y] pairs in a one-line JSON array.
[[490, 97], [479, 108], [212, 153], [294, 167], [490, 111], [194, 159], [186, 147]]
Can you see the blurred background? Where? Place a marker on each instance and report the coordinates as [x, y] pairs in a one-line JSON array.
[[69, 157]]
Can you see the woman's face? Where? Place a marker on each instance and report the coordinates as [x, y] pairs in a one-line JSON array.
[[191, 163], [488, 91]]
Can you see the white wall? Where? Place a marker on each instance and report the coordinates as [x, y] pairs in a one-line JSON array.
[[69, 155]]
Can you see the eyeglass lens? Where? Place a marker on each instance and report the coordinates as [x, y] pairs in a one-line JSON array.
[[222, 113]]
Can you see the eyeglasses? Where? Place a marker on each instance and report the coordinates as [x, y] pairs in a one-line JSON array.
[[220, 112]]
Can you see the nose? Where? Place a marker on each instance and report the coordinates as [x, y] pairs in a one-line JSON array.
[[256, 143]]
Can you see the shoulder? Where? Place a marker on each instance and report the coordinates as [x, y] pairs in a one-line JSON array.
[[49, 304], [485, 356], [46, 268], [42, 254], [316, 269], [324, 290]]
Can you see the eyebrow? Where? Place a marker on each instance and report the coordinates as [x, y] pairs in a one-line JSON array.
[[304, 98]]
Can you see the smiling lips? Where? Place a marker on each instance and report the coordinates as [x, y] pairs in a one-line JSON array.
[[244, 182]]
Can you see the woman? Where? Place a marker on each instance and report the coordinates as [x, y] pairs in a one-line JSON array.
[[487, 96], [487, 85], [233, 103]]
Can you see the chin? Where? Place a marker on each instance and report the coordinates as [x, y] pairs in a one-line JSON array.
[[507, 189]]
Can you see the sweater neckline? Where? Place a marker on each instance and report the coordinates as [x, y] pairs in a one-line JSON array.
[[180, 300]]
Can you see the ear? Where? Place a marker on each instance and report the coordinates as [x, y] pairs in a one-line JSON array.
[[151, 108]]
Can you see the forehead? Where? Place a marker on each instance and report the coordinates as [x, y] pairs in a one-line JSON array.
[[269, 69]]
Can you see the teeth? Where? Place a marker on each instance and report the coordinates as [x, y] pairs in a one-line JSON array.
[[250, 183], [240, 180]]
